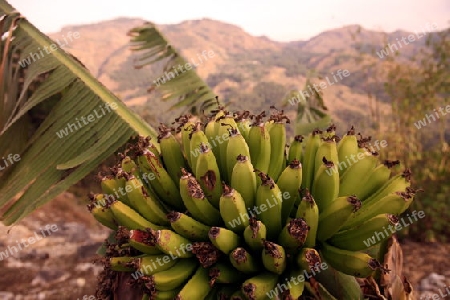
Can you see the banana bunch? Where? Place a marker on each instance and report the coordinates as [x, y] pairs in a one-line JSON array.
[[223, 210]]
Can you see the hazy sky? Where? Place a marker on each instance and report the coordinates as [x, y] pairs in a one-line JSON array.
[[281, 20]]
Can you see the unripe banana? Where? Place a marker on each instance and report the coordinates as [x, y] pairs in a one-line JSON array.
[[208, 175], [357, 173], [269, 200], [175, 276], [309, 260], [111, 186], [129, 166], [197, 138], [311, 145], [352, 263], [187, 181], [209, 214], [289, 183], [325, 187], [145, 205], [309, 211], [233, 210], [186, 129], [259, 144], [295, 288], [188, 227], [347, 147], [226, 122], [398, 183], [335, 215], [165, 295], [100, 211], [171, 243], [163, 184], [255, 234], [259, 286], [197, 287], [122, 264], [152, 264], [296, 149], [236, 146], [365, 235], [274, 257], [223, 239], [212, 133], [224, 273], [277, 134], [172, 154], [243, 123], [243, 180], [328, 149], [394, 203], [129, 218], [376, 179], [141, 240], [243, 261], [293, 235]]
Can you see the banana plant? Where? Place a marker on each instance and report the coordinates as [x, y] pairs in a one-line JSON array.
[[58, 121]]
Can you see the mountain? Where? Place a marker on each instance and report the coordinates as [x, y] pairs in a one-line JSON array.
[[248, 71]]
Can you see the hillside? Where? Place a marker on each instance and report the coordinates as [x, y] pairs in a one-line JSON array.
[[250, 72]]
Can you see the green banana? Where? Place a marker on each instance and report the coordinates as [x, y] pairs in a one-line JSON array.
[[141, 240], [212, 132], [171, 243], [289, 183], [296, 149], [224, 273], [335, 215], [232, 210], [376, 179], [129, 218], [209, 214], [325, 187], [188, 227], [277, 134], [243, 261], [259, 144], [259, 286], [197, 286], [293, 235], [175, 276], [309, 211], [112, 185], [100, 211], [165, 295], [347, 147], [144, 204], [274, 257], [152, 264], [255, 234], [236, 146], [328, 149], [295, 289], [357, 173], [309, 157], [163, 183], [365, 235], [208, 175], [122, 264], [352, 263], [128, 165], [197, 138], [226, 123], [243, 123], [223, 239], [269, 200], [172, 154], [243, 180], [186, 129], [309, 260], [394, 203], [186, 182], [398, 183]]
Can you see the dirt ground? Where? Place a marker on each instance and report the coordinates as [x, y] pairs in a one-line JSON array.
[[60, 267]]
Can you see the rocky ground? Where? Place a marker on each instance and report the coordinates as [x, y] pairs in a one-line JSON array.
[[60, 267]]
